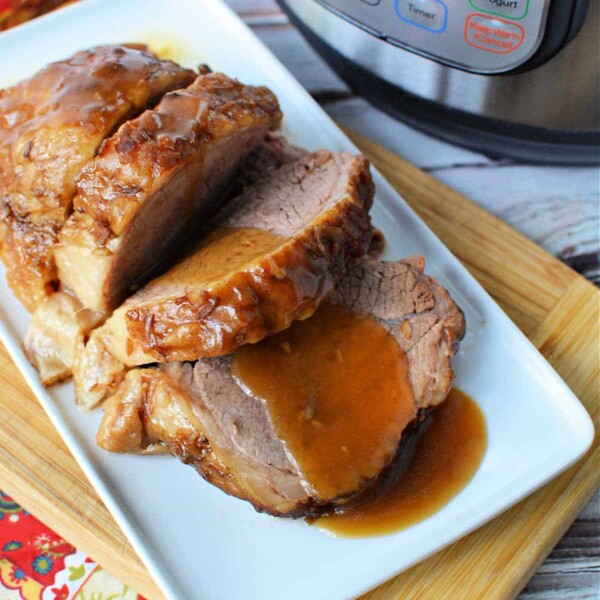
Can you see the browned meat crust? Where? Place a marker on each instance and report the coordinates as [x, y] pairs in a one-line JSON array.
[[319, 205], [50, 126], [159, 173], [218, 423]]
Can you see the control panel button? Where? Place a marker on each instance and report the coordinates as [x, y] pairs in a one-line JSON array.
[[513, 9], [371, 2], [493, 34], [427, 14]]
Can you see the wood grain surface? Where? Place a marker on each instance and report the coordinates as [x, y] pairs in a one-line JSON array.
[[493, 562]]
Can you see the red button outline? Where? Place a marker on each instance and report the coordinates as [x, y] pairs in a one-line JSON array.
[[494, 19]]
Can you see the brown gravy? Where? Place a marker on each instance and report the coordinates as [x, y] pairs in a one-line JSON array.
[[445, 459], [222, 251], [337, 391]]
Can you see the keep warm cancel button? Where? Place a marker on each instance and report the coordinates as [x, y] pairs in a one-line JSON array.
[[493, 34]]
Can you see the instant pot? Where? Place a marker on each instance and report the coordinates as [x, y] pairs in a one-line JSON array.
[[513, 78]]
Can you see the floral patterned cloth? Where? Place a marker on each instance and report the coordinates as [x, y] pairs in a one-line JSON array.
[[37, 564]]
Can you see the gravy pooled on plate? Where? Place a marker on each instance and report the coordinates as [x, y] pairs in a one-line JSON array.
[[445, 459]]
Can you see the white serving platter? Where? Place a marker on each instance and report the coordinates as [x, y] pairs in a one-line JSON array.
[[199, 543]]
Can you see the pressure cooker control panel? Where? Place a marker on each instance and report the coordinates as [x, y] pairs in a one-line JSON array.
[[483, 36]]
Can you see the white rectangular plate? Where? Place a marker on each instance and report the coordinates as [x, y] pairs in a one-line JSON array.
[[199, 543]]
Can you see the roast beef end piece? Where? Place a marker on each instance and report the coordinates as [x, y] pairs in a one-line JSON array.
[[157, 178], [51, 125]]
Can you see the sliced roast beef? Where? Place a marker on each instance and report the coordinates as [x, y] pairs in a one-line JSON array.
[[151, 181], [50, 126], [159, 173], [62, 315], [278, 249], [207, 418]]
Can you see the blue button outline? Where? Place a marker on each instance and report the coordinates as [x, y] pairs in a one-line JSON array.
[[415, 24]]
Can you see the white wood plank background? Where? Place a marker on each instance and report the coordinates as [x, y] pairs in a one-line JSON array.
[[557, 207]]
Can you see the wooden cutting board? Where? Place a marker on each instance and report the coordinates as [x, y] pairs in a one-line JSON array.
[[556, 308]]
